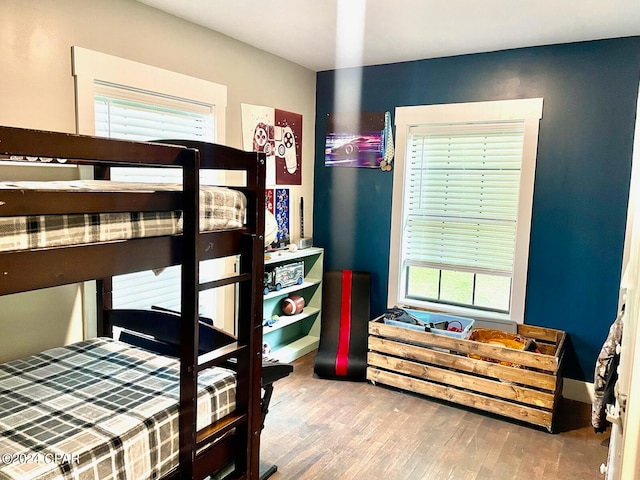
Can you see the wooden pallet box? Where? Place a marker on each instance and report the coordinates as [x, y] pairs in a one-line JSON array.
[[526, 386]]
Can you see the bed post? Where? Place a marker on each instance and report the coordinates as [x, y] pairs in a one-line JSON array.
[[257, 287], [250, 316], [104, 301], [189, 316], [104, 286]]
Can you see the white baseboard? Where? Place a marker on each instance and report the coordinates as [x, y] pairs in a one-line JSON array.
[[578, 390]]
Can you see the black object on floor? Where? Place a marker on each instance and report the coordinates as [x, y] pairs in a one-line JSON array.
[[157, 330], [272, 370], [342, 353], [266, 470]]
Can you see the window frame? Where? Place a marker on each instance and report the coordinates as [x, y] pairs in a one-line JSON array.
[[528, 110], [89, 67]]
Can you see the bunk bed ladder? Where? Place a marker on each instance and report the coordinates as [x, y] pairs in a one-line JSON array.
[[236, 435], [251, 335], [247, 420], [240, 431]]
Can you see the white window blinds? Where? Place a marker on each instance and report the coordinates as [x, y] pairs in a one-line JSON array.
[[461, 202], [130, 114], [119, 118]]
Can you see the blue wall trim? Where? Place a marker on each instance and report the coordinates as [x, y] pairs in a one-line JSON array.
[[582, 177]]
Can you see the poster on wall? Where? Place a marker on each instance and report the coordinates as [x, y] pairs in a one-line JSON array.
[[277, 207], [281, 208], [268, 200], [355, 140], [278, 134]]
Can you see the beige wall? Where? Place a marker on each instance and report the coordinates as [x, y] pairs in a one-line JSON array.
[[37, 91]]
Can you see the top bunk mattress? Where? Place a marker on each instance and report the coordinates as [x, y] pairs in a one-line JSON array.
[[98, 409], [220, 209]]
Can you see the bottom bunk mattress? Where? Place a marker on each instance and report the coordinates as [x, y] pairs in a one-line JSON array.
[[98, 409]]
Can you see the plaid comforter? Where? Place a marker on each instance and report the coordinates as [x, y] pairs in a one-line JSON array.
[[220, 208], [98, 409]]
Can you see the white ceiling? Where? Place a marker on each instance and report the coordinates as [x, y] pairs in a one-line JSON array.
[[328, 34]]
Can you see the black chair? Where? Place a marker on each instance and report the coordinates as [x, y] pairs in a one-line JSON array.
[[157, 330], [342, 353]]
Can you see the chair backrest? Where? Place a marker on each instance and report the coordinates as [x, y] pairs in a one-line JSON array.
[[346, 300]]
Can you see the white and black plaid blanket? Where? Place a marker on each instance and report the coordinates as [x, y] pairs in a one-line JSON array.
[[220, 208], [98, 409]]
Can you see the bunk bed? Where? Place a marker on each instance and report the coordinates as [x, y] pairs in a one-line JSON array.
[[195, 415]]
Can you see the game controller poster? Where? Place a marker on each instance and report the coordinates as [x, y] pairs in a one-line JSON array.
[[278, 134]]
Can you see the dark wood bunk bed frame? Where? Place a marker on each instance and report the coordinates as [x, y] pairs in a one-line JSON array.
[[236, 437]]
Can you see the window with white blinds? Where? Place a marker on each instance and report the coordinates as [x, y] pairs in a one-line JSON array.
[[130, 114], [459, 214], [120, 98]]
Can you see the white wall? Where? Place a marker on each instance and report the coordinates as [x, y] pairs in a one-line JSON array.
[[37, 91]]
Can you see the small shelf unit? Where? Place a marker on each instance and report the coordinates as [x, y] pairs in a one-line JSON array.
[[292, 336]]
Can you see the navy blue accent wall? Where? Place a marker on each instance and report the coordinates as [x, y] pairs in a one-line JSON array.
[[582, 177]]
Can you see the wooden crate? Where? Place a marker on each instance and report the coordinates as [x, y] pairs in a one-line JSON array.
[[528, 388]]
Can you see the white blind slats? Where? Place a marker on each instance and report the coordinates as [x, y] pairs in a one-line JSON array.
[[131, 291], [466, 211], [147, 122], [484, 248], [438, 227], [462, 196], [144, 289], [469, 129], [146, 175], [147, 119], [469, 155], [480, 164], [465, 194]]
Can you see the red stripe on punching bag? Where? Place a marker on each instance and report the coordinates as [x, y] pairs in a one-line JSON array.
[[342, 357]]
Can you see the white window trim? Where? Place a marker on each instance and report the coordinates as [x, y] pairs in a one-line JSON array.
[[529, 110], [89, 66]]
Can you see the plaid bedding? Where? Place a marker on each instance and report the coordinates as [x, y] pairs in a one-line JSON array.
[[220, 208], [98, 409]]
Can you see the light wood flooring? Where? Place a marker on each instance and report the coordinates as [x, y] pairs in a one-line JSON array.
[[320, 429]]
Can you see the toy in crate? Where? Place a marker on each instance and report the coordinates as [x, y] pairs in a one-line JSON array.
[[502, 339], [440, 323]]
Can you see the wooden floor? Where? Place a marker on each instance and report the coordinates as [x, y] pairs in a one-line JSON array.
[[330, 430]]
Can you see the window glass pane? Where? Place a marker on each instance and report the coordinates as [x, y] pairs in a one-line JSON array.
[[456, 287], [493, 291], [423, 282]]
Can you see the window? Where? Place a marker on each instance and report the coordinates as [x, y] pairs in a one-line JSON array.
[[119, 98], [134, 115], [131, 114], [462, 197]]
